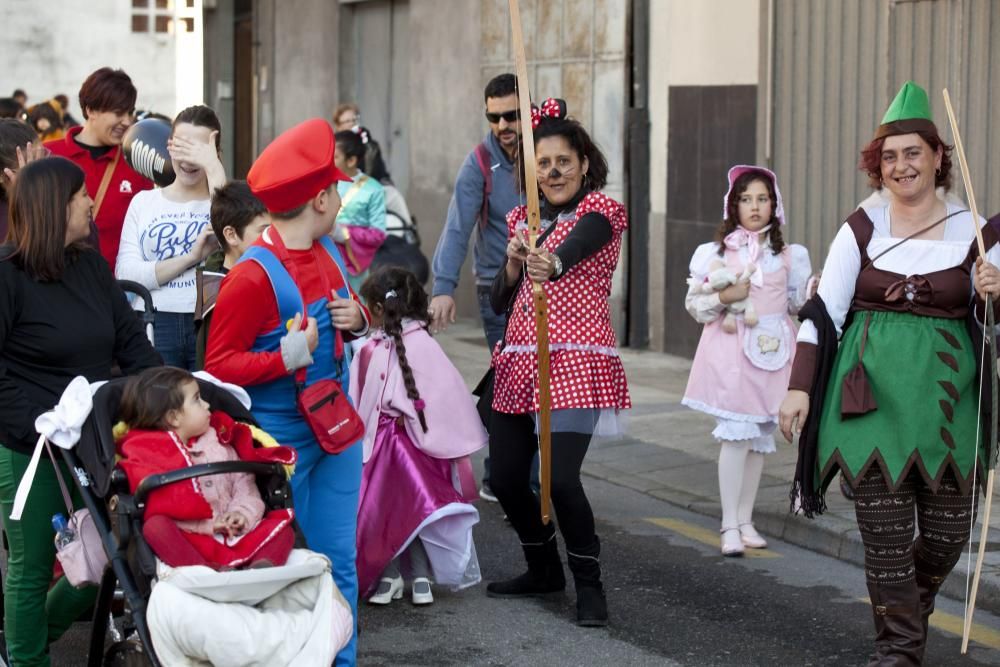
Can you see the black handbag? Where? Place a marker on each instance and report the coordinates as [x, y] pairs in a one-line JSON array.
[[484, 390]]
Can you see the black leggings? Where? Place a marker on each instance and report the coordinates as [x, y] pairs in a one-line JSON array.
[[513, 445], [886, 520]]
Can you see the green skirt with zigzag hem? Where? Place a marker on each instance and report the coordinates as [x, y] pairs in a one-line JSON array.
[[922, 373]]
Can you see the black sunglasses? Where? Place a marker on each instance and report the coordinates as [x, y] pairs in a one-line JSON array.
[[509, 116]]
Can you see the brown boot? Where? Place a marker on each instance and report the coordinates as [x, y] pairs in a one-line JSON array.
[[929, 579], [899, 632]]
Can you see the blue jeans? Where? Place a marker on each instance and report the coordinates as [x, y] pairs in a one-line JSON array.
[[174, 338], [493, 324], [493, 329]]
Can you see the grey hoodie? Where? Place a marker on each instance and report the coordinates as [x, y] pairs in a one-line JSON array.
[[463, 219]]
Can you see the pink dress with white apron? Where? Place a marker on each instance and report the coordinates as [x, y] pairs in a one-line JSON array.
[[741, 378]]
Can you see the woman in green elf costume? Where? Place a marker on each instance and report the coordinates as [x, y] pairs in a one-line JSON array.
[[895, 405]]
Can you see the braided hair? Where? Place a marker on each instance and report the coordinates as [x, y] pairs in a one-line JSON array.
[[399, 295]]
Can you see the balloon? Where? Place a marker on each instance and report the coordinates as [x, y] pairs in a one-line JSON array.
[[145, 150]]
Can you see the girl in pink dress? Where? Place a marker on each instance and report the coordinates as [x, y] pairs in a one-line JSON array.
[[415, 516], [744, 358]]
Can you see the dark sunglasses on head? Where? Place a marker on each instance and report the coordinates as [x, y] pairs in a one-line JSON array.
[[509, 116]]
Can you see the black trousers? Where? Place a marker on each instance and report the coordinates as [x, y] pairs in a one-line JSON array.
[[513, 445]]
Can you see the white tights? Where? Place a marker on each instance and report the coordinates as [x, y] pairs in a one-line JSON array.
[[739, 477]]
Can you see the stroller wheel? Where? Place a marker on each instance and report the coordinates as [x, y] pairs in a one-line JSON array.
[[128, 653]]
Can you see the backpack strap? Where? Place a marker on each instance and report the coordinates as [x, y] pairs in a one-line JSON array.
[[482, 153], [343, 291], [286, 292]]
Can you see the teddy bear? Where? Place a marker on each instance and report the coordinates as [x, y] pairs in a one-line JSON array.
[[719, 278]]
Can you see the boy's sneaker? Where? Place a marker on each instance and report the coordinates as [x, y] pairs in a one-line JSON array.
[[486, 493]]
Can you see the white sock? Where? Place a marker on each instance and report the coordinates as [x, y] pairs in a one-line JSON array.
[[752, 470], [732, 461]]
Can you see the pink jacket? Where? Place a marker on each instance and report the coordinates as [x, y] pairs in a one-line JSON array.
[[232, 492], [454, 429]]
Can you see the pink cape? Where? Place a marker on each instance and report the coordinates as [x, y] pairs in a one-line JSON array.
[[454, 429]]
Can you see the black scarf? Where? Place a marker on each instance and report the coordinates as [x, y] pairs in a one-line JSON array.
[[551, 211], [806, 495]]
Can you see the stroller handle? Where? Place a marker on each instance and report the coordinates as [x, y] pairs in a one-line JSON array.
[[152, 482]]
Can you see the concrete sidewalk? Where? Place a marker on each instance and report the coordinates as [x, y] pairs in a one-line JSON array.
[[669, 453]]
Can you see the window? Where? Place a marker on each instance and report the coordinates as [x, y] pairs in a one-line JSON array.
[[157, 16], [188, 24]]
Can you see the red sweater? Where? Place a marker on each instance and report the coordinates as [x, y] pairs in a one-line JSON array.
[[246, 308], [125, 183]]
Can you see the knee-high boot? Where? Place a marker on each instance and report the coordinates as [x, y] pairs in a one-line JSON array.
[[929, 580], [899, 634], [544, 575], [591, 604]]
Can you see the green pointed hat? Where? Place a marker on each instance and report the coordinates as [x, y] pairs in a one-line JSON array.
[[909, 112]]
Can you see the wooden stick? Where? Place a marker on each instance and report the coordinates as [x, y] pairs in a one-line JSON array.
[[970, 608], [966, 179], [537, 292]]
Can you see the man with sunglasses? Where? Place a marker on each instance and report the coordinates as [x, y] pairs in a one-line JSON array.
[[484, 194]]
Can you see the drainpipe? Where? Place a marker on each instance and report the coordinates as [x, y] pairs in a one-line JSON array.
[[637, 310]]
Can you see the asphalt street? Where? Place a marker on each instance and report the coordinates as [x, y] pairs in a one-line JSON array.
[[673, 601]]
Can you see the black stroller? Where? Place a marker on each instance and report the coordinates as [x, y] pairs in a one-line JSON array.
[[118, 516], [402, 248]]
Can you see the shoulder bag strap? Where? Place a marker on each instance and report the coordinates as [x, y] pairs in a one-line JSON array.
[[62, 483], [913, 235], [106, 181]]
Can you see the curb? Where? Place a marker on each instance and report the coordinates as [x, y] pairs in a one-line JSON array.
[[830, 535]]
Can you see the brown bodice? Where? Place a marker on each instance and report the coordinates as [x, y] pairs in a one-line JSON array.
[[944, 293]]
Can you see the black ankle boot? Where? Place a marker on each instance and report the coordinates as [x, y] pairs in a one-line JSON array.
[[591, 604], [544, 575]]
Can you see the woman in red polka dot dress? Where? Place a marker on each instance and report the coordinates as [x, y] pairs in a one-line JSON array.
[[578, 253]]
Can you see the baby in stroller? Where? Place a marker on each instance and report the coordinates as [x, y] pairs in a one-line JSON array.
[[204, 599], [217, 521]]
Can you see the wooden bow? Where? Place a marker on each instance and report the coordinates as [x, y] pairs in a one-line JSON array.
[[527, 154], [989, 340]]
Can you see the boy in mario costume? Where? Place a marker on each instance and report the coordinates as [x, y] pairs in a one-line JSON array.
[[284, 307]]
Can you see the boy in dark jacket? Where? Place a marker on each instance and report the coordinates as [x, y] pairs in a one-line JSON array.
[[238, 219]]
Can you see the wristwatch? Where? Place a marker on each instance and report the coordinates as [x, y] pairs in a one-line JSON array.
[[557, 263]]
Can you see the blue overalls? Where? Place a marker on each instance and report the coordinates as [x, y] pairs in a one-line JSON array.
[[324, 487]]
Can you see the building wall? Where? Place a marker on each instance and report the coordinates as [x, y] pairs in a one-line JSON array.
[[445, 101], [297, 52], [220, 72], [827, 108], [50, 48], [703, 53]]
